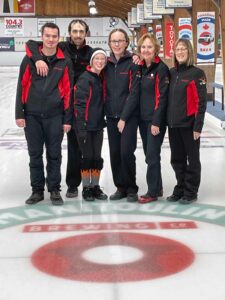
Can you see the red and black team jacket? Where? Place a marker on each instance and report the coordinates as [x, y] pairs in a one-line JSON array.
[[154, 92], [187, 97], [89, 102], [122, 86], [45, 96], [80, 57]]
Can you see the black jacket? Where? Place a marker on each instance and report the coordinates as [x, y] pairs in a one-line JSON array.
[[45, 96], [89, 102], [187, 97], [122, 83], [80, 57], [154, 92]]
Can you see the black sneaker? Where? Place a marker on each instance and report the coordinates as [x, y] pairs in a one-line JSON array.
[[56, 198], [72, 192], [188, 200], [87, 193], [118, 195], [173, 198], [132, 197], [98, 193], [35, 198]]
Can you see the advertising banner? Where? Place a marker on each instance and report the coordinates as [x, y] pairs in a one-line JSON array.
[[205, 37], [14, 26], [7, 44], [140, 13], [17, 8], [185, 28], [159, 36], [169, 40], [159, 8], [41, 22], [178, 3], [148, 11]]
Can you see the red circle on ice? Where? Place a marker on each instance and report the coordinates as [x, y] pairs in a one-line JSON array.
[[161, 257]]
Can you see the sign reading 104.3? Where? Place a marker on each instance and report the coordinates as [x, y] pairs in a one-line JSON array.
[[14, 26]]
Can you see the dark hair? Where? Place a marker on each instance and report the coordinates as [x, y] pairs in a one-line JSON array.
[[80, 22], [119, 30], [50, 25]]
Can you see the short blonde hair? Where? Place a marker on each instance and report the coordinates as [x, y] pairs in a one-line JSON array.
[[187, 44], [152, 38]]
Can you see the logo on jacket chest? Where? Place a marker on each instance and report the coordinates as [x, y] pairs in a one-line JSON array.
[[151, 76]]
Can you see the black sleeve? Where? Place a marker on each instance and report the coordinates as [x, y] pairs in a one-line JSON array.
[[82, 94], [200, 83], [23, 80], [68, 93], [32, 50], [133, 97], [162, 90]]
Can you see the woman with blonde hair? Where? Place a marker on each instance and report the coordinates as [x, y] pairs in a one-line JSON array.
[[153, 104]]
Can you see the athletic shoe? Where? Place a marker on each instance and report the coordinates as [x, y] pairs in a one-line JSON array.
[[35, 197]]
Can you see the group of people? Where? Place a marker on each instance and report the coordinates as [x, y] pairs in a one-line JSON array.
[[68, 87]]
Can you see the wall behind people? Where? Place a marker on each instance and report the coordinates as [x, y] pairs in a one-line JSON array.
[[12, 41]]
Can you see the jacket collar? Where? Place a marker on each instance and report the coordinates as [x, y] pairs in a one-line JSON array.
[[59, 54]]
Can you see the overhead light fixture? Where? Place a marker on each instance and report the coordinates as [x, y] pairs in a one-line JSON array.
[[92, 7]]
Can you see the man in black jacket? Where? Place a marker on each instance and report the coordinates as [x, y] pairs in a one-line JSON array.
[[80, 53], [43, 109]]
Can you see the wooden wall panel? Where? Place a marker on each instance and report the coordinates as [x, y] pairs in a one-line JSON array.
[[62, 8]]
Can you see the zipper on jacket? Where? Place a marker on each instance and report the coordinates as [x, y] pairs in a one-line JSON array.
[[115, 100], [171, 119]]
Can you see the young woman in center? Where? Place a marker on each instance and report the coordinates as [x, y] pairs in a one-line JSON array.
[[122, 79], [89, 113], [153, 105]]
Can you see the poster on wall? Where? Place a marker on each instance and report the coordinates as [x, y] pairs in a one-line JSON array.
[[41, 22], [159, 36], [14, 26], [17, 8], [178, 3], [140, 13], [159, 8], [7, 44], [185, 28], [169, 39], [134, 16], [148, 11], [205, 37]]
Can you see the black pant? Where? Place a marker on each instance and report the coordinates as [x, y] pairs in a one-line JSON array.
[[73, 175], [122, 148], [91, 150], [185, 160], [152, 149], [49, 132]]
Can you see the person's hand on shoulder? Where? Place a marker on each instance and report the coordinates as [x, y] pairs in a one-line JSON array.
[[42, 68]]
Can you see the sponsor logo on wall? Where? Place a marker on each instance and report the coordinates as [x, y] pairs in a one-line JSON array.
[[7, 44]]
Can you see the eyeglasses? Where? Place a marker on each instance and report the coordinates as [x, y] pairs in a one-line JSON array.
[[119, 42], [180, 49]]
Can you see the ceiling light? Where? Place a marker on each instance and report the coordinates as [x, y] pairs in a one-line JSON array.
[[92, 7]]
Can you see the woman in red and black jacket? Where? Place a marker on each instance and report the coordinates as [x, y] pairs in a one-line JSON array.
[[122, 78], [186, 110], [89, 124], [153, 104]]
